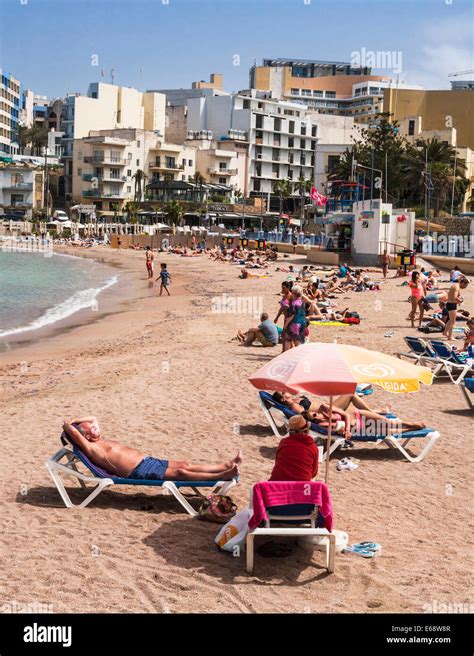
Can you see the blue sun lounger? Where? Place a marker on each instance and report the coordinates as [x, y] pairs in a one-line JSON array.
[[67, 459], [397, 440], [467, 388], [452, 360]]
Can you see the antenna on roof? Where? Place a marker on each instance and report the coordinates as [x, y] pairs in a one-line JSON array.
[[111, 76]]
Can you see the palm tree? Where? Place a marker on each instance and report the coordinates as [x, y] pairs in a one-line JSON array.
[[132, 208], [198, 180], [440, 157], [38, 137], [175, 211], [140, 177], [21, 135], [283, 189]]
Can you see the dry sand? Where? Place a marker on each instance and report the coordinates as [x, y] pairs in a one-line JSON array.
[[162, 375]]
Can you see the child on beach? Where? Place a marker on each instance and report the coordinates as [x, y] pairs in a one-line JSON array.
[[165, 279]]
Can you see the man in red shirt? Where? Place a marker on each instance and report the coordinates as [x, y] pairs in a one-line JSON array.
[[297, 455]]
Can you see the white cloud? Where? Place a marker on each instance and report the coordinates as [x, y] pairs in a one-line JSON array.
[[445, 47]]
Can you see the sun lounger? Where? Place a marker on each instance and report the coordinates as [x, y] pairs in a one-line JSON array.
[[291, 520], [67, 459], [397, 440], [451, 360], [467, 388]]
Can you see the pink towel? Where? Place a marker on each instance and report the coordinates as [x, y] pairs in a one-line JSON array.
[[283, 493]]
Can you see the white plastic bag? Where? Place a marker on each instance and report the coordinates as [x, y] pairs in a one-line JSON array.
[[234, 533]]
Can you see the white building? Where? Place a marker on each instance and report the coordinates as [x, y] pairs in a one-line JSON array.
[[105, 164], [283, 137], [220, 162], [21, 188], [108, 107]]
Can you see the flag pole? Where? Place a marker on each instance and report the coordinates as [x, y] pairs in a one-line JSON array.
[[328, 445]]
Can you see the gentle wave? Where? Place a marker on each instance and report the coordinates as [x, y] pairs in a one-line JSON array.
[[78, 301]]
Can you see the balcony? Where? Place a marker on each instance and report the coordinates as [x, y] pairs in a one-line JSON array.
[[215, 171], [97, 193], [21, 186], [114, 161], [159, 166]]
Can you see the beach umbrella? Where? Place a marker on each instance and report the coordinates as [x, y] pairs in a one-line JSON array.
[[333, 369]]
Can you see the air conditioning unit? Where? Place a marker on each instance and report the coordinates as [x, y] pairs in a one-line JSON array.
[[190, 134], [209, 134], [202, 134]]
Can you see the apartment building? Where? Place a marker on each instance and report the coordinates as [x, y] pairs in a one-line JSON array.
[[105, 164], [281, 136], [220, 162], [21, 188], [329, 87], [108, 107], [9, 112]]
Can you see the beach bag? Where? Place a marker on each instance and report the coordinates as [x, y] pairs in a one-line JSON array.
[[234, 533], [351, 320], [217, 508]]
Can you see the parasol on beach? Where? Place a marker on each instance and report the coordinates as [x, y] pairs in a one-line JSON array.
[[333, 369]]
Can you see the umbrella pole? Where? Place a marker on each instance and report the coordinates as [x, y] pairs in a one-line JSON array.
[[328, 446]]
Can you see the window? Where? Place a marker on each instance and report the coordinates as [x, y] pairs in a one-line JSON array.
[[291, 127], [303, 160], [129, 173], [129, 190], [115, 173], [129, 157], [138, 162], [246, 104], [318, 94], [306, 92], [222, 166], [302, 143], [259, 121], [256, 185], [183, 163], [295, 92], [190, 162], [222, 181], [291, 142], [115, 156], [411, 128], [333, 161], [330, 94], [138, 144], [299, 71], [313, 131], [79, 171], [303, 129]]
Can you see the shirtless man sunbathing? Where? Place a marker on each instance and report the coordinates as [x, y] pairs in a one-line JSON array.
[[126, 462]]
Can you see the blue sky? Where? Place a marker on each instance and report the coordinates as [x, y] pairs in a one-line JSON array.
[[50, 45]]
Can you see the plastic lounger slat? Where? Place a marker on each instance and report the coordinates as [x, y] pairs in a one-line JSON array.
[[469, 384]]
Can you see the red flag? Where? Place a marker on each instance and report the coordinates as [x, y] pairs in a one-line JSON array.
[[316, 196]]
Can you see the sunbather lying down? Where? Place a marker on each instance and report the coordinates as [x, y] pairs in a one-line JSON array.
[[126, 462], [351, 415]]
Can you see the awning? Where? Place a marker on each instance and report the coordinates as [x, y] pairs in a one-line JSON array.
[[420, 224]]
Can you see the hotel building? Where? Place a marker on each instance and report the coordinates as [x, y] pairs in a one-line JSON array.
[[9, 112]]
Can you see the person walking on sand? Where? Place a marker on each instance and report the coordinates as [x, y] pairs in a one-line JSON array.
[[165, 279], [149, 257], [385, 263], [454, 299]]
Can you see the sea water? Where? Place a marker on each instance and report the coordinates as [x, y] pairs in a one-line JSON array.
[[38, 290]]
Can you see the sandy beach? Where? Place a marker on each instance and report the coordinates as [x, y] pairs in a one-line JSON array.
[[162, 375]]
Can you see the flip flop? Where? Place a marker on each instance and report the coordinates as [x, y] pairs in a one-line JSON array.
[[365, 553], [370, 546]]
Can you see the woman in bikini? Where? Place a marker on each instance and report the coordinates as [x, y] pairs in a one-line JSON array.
[[418, 292], [359, 420]]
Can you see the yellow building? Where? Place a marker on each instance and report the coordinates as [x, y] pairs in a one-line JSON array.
[[216, 82], [439, 110]]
